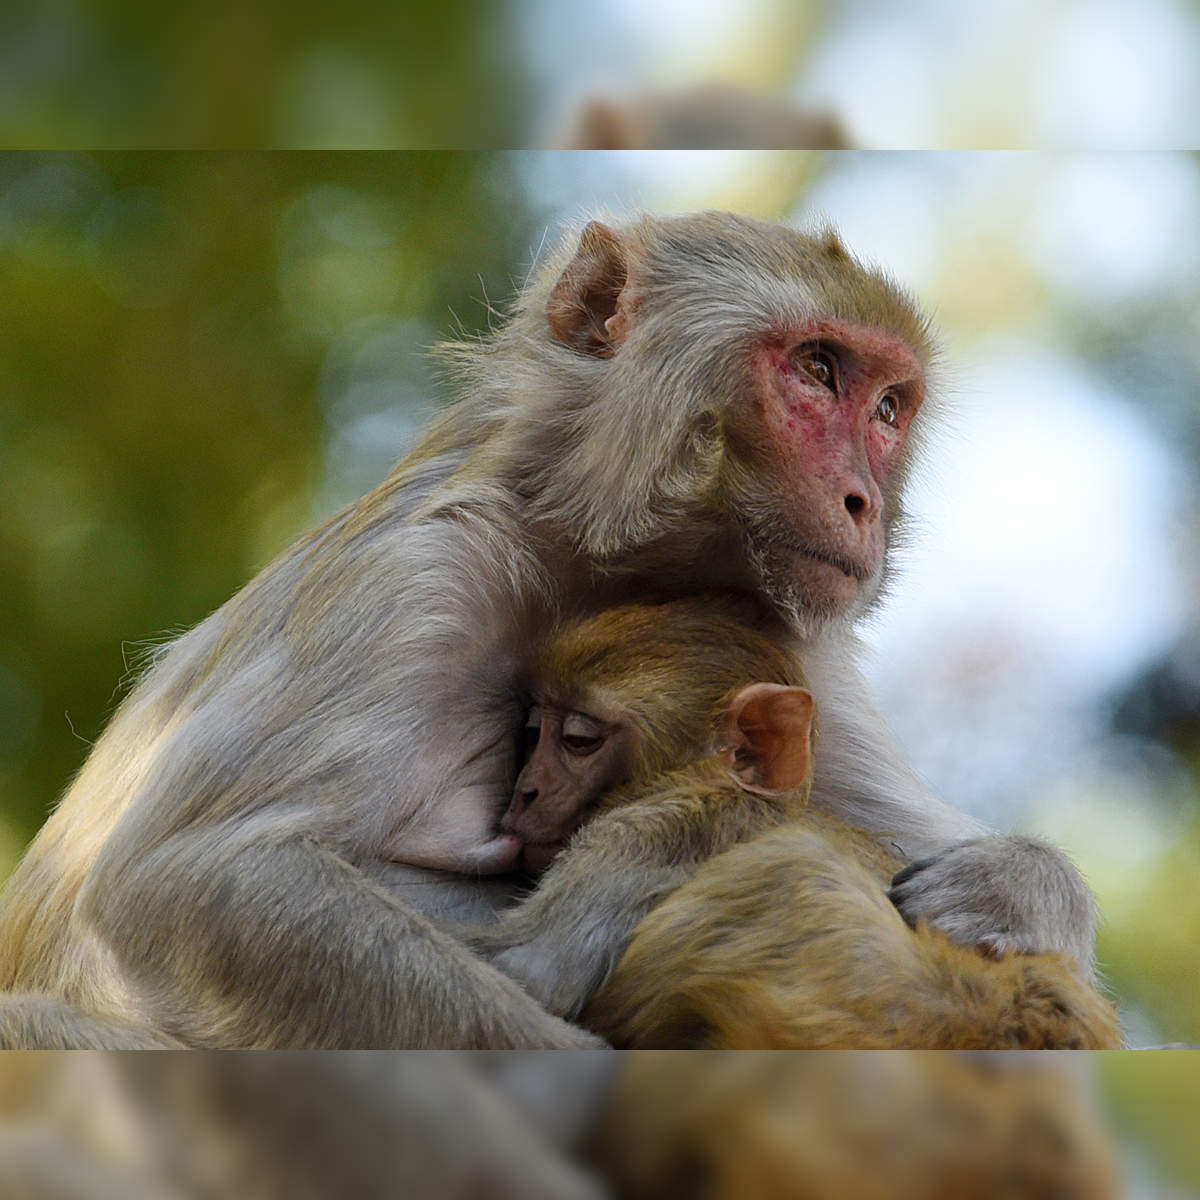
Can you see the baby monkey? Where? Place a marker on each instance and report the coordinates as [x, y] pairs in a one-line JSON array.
[[665, 736], [660, 736]]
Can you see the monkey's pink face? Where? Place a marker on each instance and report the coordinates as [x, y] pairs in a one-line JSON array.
[[835, 401]]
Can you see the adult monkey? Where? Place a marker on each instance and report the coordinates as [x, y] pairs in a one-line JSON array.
[[691, 403]]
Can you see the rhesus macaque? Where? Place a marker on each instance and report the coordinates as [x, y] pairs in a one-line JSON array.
[[651, 748], [678, 405], [885, 1126], [628, 695]]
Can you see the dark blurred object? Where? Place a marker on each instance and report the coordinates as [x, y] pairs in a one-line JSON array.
[[180, 1126], [703, 117], [1163, 703]]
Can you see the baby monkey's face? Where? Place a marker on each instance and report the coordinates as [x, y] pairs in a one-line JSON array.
[[581, 744], [571, 758]]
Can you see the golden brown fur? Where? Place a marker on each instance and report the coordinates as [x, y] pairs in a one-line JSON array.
[[688, 658], [789, 942]]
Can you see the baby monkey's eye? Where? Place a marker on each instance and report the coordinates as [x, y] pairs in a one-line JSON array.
[[580, 744], [582, 734]]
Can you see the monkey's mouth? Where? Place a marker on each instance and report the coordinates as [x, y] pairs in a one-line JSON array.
[[847, 566]]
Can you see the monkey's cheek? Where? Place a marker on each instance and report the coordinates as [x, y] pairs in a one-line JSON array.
[[537, 856]]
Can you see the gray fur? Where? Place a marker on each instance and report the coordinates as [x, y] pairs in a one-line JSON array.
[[49, 1024]]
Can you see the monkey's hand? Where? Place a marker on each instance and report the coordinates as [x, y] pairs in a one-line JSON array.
[[1001, 894]]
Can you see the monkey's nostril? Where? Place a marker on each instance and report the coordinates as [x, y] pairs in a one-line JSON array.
[[855, 505]]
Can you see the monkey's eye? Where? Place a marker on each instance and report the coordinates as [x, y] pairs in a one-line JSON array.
[[582, 734], [888, 410], [580, 745], [818, 365]]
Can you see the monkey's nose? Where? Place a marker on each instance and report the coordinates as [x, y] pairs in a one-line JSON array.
[[862, 506]]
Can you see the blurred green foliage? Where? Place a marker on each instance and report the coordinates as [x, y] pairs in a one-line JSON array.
[[1148, 947], [181, 337], [1153, 1100], [363, 75]]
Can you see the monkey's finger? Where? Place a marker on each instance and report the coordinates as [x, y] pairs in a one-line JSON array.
[[902, 877]]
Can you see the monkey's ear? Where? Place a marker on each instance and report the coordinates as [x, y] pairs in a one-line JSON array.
[[592, 306], [767, 738]]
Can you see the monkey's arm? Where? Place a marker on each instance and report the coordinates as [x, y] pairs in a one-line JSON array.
[[446, 899], [279, 942], [980, 888], [562, 941], [37, 1022]]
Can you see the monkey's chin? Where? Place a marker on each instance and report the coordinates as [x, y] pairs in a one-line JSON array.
[[805, 581], [812, 590]]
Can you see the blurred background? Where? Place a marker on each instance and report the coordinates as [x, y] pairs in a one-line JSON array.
[[506, 73], [202, 355]]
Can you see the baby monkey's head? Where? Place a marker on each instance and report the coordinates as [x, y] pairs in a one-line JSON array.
[[628, 695]]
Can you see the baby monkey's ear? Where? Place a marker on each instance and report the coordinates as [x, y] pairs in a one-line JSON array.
[[766, 738]]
